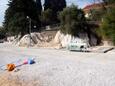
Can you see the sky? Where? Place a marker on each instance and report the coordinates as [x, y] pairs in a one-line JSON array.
[[3, 6]]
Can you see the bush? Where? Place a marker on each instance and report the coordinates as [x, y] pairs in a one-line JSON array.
[[72, 20]]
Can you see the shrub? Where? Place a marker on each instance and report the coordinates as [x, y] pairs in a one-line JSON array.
[[72, 20]]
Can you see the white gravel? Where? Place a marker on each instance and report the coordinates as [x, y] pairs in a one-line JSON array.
[[61, 67]]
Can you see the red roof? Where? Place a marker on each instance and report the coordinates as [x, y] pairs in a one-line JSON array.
[[93, 6]]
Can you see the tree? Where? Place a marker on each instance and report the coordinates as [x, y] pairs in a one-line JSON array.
[[46, 17], [108, 1], [18, 24], [107, 28], [96, 15], [2, 33], [72, 20], [39, 6], [55, 6], [16, 16]]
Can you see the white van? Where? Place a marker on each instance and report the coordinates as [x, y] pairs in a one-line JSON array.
[[75, 46]]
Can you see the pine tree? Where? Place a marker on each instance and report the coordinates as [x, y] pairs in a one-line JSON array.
[[39, 6], [16, 21], [55, 6]]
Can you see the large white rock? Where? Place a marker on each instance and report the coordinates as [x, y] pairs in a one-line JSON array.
[[64, 40], [26, 41]]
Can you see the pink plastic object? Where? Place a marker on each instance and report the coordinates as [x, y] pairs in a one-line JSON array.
[[25, 62]]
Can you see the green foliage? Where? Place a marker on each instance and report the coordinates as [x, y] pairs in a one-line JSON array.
[[16, 16], [96, 15], [18, 24], [107, 28], [72, 20], [2, 33], [46, 17]]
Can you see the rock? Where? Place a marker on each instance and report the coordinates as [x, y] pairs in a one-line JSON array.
[[64, 40], [55, 40]]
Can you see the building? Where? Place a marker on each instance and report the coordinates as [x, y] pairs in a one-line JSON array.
[[97, 6]]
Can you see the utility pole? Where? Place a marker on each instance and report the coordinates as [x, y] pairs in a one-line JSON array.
[[30, 23]]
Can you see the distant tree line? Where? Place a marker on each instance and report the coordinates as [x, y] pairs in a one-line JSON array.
[[19, 13], [71, 19]]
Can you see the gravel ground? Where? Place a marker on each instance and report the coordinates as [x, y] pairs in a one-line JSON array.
[[61, 67]]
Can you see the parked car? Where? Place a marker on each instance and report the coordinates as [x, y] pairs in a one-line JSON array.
[[78, 47]]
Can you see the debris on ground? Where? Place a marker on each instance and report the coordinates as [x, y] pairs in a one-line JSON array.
[[13, 65]]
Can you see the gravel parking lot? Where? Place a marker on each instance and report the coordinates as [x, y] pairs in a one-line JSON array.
[[61, 67]]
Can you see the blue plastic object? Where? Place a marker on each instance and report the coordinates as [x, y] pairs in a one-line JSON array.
[[31, 61]]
